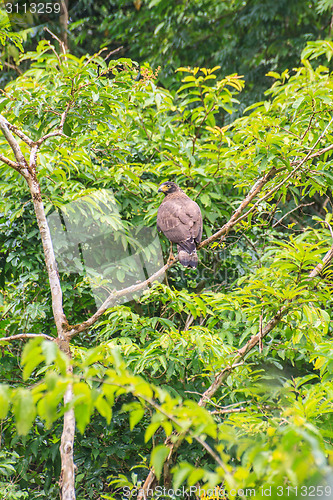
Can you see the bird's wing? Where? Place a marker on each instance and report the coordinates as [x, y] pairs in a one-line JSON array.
[[197, 227], [179, 219]]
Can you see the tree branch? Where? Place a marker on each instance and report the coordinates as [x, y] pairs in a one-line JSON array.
[[237, 361], [10, 163], [74, 330], [22, 164], [235, 219], [302, 205], [19, 133], [60, 130], [26, 336], [224, 374], [255, 339]]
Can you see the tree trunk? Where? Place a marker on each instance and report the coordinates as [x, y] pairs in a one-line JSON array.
[[28, 171], [64, 23], [67, 478]]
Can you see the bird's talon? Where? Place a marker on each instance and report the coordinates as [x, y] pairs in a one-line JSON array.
[[171, 260]]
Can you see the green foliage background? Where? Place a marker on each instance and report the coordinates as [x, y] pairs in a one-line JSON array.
[[141, 370]]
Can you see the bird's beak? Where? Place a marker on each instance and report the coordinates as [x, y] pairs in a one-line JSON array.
[[161, 189]]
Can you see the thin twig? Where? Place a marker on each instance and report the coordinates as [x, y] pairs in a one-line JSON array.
[[260, 333], [113, 52], [291, 211], [61, 43]]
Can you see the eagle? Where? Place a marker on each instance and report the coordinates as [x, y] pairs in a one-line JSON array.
[[179, 219]]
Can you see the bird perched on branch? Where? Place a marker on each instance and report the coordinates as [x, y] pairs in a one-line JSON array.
[[179, 218]]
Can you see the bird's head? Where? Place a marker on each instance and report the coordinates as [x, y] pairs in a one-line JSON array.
[[168, 187]]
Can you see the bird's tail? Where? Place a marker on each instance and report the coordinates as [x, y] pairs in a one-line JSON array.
[[187, 259]]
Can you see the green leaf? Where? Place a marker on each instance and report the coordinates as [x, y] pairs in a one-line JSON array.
[[24, 410], [103, 408], [50, 351], [181, 473], [151, 429], [83, 405], [136, 416], [4, 400], [32, 356], [158, 456]]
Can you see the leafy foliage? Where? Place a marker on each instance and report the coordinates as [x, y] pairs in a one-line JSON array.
[[141, 370]]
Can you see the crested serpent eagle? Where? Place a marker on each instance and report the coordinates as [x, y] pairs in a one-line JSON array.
[[179, 218]]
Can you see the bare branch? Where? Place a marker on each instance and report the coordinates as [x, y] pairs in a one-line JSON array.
[[11, 163], [53, 49], [26, 336], [113, 52], [236, 218], [50, 134], [291, 211], [19, 133], [322, 151], [23, 166], [255, 339], [60, 129], [74, 330]]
